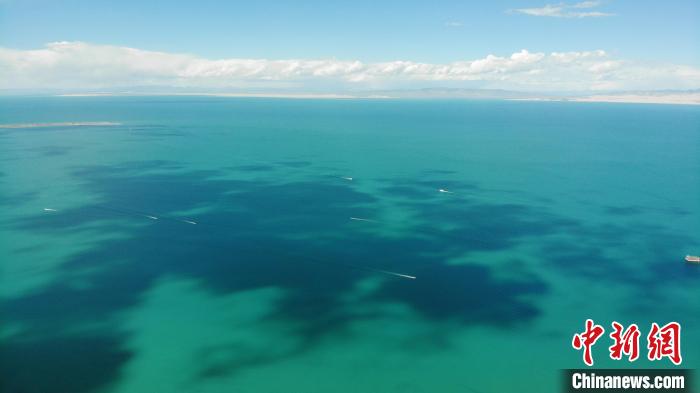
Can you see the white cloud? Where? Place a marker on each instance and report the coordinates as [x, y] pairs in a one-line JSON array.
[[586, 4], [453, 23], [564, 10], [77, 65]]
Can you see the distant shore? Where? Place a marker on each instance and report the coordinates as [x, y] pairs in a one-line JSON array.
[[671, 98], [260, 95], [668, 99], [658, 98]]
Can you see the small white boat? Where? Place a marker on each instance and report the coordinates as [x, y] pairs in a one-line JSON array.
[[692, 258]]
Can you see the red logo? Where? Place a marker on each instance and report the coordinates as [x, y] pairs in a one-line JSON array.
[[626, 343], [665, 342], [586, 340], [662, 342]]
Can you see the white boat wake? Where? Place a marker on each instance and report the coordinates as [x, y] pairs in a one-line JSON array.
[[362, 219], [394, 274]]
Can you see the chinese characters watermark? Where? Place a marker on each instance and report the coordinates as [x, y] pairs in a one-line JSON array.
[[662, 341]]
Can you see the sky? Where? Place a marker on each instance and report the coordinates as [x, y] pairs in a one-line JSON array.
[[529, 45]]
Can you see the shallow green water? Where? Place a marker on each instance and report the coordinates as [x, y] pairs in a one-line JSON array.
[[556, 212]]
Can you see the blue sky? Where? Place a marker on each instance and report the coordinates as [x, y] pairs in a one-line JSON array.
[[368, 31]]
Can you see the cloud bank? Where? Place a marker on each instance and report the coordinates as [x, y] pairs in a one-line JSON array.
[[563, 10], [79, 65]]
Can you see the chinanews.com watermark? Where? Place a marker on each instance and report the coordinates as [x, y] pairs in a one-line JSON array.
[[663, 344], [620, 380]]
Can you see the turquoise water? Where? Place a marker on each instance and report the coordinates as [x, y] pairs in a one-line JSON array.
[[207, 245]]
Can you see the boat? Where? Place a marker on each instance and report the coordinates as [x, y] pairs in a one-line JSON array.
[[692, 258]]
